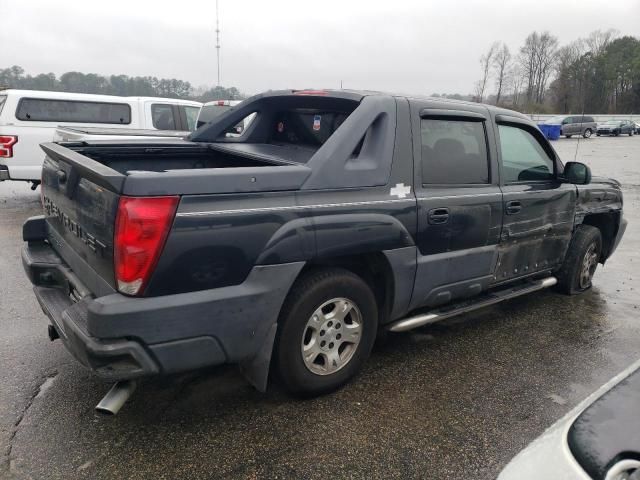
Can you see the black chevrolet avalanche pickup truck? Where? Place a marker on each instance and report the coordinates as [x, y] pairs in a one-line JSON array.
[[287, 248]]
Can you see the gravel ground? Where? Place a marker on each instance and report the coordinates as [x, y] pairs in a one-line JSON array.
[[452, 400]]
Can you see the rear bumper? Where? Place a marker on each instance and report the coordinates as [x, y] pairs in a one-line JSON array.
[[121, 337]]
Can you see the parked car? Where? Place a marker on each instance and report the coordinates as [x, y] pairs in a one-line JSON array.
[[616, 127], [29, 118], [575, 125], [637, 128], [599, 439], [325, 221]]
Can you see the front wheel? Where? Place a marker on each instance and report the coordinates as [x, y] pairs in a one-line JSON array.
[[326, 331], [581, 261], [567, 136], [587, 133]]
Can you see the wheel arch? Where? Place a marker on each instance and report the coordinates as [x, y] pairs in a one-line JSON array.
[[373, 267], [607, 223]]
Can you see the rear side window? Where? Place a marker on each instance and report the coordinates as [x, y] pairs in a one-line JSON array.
[[523, 157], [192, 116], [588, 120], [73, 111], [162, 116], [3, 99], [453, 152]]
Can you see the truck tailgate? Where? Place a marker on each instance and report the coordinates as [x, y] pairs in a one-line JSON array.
[[80, 199]]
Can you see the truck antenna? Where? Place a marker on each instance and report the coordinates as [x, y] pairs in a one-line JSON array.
[[218, 41], [584, 101]]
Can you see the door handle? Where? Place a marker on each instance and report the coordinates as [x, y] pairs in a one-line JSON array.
[[62, 176], [513, 207], [438, 216]]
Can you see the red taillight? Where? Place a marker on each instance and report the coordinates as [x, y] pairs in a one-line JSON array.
[[142, 225], [6, 145]]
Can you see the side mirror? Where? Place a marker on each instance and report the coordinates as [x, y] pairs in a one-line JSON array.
[[577, 173]]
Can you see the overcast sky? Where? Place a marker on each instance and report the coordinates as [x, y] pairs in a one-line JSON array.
[[407, 46]]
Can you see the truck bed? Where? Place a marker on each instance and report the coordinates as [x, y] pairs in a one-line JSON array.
[[178, 167], [164, 158]]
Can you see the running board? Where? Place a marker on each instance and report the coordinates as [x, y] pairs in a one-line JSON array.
[[485, 300]]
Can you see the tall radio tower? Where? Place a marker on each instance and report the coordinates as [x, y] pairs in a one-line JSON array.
[[218, 41]]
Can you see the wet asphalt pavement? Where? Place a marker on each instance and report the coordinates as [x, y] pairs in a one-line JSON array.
[[453, 400]]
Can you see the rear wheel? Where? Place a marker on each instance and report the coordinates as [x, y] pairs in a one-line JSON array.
[[581, 261], [567, 136], [326, 331], [587, 133]]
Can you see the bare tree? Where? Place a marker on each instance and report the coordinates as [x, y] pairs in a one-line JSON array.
[[546, 60], [537, 57], [501, 65], [517, 80], [486, 61], [567, 87], [597, 41]]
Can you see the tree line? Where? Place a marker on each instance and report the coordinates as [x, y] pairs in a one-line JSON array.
[[596, 74], [123, 85]]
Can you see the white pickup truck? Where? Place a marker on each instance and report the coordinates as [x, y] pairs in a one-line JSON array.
[[29, 118]]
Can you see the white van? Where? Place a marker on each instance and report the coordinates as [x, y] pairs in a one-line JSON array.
[[29, 118]]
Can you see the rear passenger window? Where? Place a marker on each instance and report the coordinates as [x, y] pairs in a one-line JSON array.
[[453, 152], [523, 157], [192, 115], [162, 116], [73, 111]]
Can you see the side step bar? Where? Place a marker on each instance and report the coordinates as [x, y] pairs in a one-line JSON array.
[[490, 298]]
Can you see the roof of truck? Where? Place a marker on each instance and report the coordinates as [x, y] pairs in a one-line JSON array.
[[359, 94], [89, 96]]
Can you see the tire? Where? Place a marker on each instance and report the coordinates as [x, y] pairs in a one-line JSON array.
[[581, 261], [597, 134], [567, 136], [587, 133], [316, 295]]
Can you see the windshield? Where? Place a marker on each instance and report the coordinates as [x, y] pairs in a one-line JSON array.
[[612, 122]]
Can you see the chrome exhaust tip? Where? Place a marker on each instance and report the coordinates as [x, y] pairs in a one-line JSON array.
[[115, 398]]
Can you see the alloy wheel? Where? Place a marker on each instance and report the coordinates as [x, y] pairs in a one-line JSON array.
[[331, 336]]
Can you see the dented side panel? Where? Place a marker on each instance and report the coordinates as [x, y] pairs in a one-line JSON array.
[[600, 196], [536, 238]]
